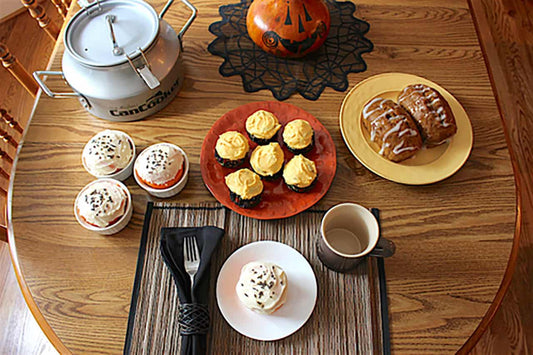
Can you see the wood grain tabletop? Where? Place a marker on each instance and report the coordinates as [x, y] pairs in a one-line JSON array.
[[453, 237]]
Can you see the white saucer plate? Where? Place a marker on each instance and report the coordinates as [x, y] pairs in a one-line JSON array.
[[301, 292]]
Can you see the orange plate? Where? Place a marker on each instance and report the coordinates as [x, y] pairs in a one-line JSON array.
[[278, 201]]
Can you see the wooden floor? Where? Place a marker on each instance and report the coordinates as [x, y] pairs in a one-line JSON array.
[[508, 44], [19, 333]]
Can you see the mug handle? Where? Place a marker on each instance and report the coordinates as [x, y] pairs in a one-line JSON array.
[[384, 248]]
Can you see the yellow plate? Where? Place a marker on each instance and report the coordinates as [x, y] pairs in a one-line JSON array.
[[429, 165]]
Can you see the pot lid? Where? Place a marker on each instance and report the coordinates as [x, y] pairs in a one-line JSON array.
[[102, 33]]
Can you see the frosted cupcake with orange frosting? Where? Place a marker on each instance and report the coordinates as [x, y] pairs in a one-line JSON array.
[[162, 169], [245, 188], [262, 127], [267, 161], [231, 149], [300, 174], [298, 136]]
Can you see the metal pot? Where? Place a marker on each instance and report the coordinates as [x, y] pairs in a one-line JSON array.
[[122, 60]]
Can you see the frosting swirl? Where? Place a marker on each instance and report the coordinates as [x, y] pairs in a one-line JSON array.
[[107, 153], [298, 134], [266, 160], [102, 203], [159, 164], [262, 286], [244, 183], [299, 171], [232, 145], [262, 124]]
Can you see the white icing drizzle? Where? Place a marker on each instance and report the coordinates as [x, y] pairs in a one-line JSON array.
[[378, 122], [439, 114], [383, 146], [365, 109], [398, 149], [409, 131], [392, 130]]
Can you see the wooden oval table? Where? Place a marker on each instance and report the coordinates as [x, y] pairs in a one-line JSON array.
[[453, 238]]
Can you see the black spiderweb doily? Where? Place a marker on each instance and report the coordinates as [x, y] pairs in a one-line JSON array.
[[328, 66]]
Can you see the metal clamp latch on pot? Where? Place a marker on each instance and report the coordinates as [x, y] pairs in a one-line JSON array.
[[86, 5], [145, 71]]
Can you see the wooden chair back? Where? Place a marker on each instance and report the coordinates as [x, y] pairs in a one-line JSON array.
[[61, 7], [10, 62], [10, 134], [37, 12]]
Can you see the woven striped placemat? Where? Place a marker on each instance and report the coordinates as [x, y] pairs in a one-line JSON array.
[[350, 316]]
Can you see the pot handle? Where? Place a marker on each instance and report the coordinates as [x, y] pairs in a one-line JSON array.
[[46, 89], [189, 21]]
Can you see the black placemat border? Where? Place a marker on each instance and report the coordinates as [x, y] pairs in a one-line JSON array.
[[385, 326], [138, 275]]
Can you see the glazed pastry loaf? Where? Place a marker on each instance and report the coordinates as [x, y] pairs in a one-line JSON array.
[[392, 129], [431, 112]]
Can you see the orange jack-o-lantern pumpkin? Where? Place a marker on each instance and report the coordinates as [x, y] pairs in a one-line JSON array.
[[288, 28]]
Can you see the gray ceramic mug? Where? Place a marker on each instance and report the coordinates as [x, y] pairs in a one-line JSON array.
[[348, 233]]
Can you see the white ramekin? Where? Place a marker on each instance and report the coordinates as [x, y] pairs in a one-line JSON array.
[[169, 191], [122, 174], [114, 228]]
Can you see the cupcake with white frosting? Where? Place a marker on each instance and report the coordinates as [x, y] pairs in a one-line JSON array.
[[104, 206], [245, 188], [267, 161], [109, 154], [300, 174], [262, 287], [231, 149], [298, 136], [262, 127], [162, 169]]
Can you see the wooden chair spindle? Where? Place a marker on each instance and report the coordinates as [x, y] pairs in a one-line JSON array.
[[10, 121], [5, 156], [4, 173], [17, 70], [7, 138], [61, 7], [37, 12]]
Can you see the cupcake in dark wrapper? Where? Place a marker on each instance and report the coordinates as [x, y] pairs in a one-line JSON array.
[[299, 137], [262, 127], [231, 149], [300, 174], [267, 161], [245, 188]]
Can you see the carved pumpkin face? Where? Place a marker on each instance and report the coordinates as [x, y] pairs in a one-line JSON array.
[[288, 28]]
